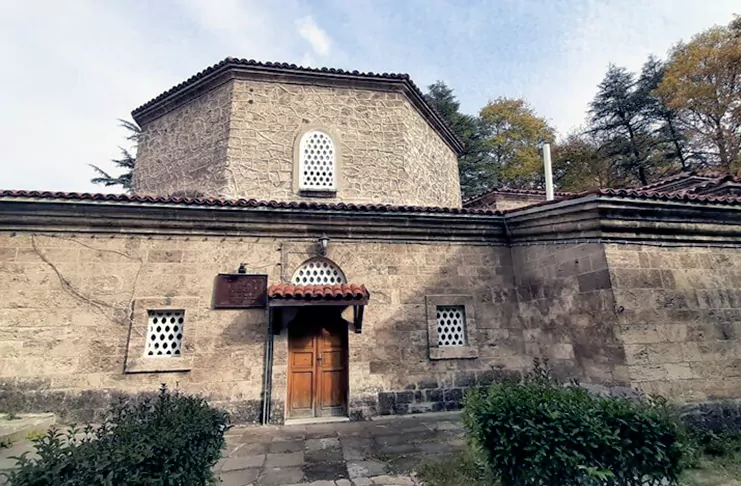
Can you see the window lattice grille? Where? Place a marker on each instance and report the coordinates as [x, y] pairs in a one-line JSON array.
[[319, 271], [317, 161], [451, 325], [165, 332]]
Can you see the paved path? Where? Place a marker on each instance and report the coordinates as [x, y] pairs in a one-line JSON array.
[[379, 452]]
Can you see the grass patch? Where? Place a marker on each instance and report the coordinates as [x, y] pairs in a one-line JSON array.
[[713, 471], [462, 469], [36, 435]]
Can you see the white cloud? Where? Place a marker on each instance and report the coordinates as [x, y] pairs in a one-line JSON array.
[[80, 65], [72, 68], [612, 32], [315, 35]]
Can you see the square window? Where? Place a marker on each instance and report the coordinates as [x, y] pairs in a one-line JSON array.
[[451, 325], [164, 333]]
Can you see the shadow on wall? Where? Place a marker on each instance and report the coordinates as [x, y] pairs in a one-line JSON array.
[[551, 302]]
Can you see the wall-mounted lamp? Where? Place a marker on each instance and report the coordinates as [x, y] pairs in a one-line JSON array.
[[323, 244], [242, 268]]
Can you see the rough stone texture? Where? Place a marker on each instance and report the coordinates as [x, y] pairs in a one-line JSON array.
[[679, 315], [390, 369], [67, 303], [503, 200], [664, 319], [185, 150], [567, 310], [247, 132]]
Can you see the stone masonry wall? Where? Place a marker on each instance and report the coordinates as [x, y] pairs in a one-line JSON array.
[[680, 318], [390, 369], [66, 310], [388, 153], [505, 202], [185, 150], [568, 311]]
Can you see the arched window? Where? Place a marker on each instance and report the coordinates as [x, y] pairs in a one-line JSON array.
[[318, 271], [316, 162]]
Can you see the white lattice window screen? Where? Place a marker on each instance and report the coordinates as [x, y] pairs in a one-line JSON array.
[[319, 271], [451, 325], [165, 332], [317, 162]]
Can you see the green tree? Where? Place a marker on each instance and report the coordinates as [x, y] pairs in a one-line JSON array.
[[468, 129], [617, 116], [126, 162], [580, 165], [669, 138], [702, 82], [513, 134]]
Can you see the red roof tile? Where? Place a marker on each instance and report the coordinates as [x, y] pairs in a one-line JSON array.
[[318, 292], [431, 113], [680, 196], [504, 190], [245, 203]]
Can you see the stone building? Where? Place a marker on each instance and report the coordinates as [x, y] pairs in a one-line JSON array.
[[296, 248]]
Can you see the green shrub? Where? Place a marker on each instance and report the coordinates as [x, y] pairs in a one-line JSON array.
[[539, 432], [170, 439]]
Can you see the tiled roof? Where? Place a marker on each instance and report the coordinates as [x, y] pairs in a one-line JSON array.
[[702, 180], [505, 190], [282, 67], [639, 194], [679, 196], [668, 180], [244, 203], [360, 208], [285, 291]]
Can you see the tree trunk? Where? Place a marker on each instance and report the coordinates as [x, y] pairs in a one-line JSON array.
[[720, 140], [637, 156], [677, 145]]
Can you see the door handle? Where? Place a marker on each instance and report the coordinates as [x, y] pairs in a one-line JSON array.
[[319, 358]]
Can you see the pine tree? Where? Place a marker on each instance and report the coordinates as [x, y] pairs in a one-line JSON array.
[[669, 138], [126, 162], [472, 163], [617, 115]]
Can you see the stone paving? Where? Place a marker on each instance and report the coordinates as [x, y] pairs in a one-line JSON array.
[[379, 452]]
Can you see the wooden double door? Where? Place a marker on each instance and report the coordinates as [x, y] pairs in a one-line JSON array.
[[317, 364]]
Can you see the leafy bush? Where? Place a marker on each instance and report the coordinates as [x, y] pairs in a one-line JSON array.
[[540, 432], [170, 439]]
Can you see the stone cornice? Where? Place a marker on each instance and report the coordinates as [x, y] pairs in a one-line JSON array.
[[122, 218], [589, 218], [231, 69], [597, 217]]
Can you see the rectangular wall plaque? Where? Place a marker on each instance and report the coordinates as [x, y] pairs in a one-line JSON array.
[[240, 291]]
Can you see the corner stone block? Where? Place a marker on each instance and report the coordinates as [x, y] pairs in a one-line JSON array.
[[386, 403], [679, 371], [465, 379], [647, 372], [404, 397], [453, 395], [598, 280], [434, 395]]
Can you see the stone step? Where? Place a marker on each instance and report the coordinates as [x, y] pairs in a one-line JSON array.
[[17, 429]]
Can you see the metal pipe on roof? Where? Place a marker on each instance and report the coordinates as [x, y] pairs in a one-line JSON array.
[[548, 172]]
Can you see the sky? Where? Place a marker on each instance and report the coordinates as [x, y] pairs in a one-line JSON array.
[[69, 69]]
